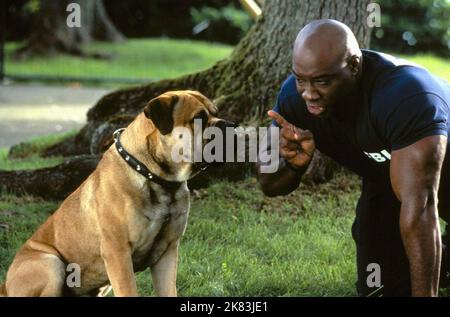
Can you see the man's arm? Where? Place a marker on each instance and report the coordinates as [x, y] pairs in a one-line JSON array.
[[415, 173], [296, 148]]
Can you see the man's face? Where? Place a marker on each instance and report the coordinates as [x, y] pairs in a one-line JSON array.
[[322, 80]]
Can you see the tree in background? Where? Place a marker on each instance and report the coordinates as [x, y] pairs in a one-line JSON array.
[[244, 86], [408, 26], [50, 33], [412, 26], [226, 24]]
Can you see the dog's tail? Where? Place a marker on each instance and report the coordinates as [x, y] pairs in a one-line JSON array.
[[3, 290]]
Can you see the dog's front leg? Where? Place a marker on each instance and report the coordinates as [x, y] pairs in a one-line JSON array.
[[164, 272], [119, 268]]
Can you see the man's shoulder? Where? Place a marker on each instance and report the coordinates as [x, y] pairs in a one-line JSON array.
[[408, 80], [407, 92], [408, 103], [405, 102], [394, 80], [288, 91]]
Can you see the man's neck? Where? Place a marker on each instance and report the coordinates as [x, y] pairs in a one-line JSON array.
[[348, 107]]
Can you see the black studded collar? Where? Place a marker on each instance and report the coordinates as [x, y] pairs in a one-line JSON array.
[[138, 166]]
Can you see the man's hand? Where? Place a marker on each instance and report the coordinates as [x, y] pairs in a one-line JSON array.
[[296, 145], [296, 148]]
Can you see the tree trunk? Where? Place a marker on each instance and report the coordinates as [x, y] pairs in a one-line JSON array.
[[104, 28], [51, 34], [244, 86], [50, 183]]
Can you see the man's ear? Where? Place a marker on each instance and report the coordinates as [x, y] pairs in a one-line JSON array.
[[160, 111], [354, 63]]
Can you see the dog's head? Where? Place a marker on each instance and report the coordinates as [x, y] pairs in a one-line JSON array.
[[182, 120]]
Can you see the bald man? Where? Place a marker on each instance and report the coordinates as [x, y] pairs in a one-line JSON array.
[[386, 121]]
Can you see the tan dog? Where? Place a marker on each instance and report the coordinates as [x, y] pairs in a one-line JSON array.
[[119, 221]]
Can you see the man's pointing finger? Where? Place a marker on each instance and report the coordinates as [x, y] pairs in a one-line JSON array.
[[278, 118]]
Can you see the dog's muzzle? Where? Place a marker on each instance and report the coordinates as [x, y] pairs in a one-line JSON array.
[[223, 125]]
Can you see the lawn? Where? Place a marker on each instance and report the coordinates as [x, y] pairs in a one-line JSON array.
[[141, 59], [238, 242], [154, 58]]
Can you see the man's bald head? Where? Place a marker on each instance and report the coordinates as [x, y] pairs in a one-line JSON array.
[[328, 38], [327, 64]]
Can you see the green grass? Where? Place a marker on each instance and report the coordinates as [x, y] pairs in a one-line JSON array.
[[436, 65], [155, 59], [22, 216], [27, 155], [34, 147], [135, 58], [30, 162], [238, 242]]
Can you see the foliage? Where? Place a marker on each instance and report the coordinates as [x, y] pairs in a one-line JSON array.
[[32, 6], [411, 26], [142, 18], [222, 22]]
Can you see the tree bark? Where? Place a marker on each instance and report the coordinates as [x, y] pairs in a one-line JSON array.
[[244, 86], [50, 183], [51, 34]]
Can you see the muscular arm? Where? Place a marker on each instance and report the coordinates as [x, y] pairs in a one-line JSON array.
[[415, 172]]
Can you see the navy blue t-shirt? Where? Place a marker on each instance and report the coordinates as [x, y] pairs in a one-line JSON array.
[[397, 104]]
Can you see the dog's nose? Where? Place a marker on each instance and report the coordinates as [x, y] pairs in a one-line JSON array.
[[228, 139]]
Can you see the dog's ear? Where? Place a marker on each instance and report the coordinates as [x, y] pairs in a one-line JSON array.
[[204, 100], [160, 111]]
